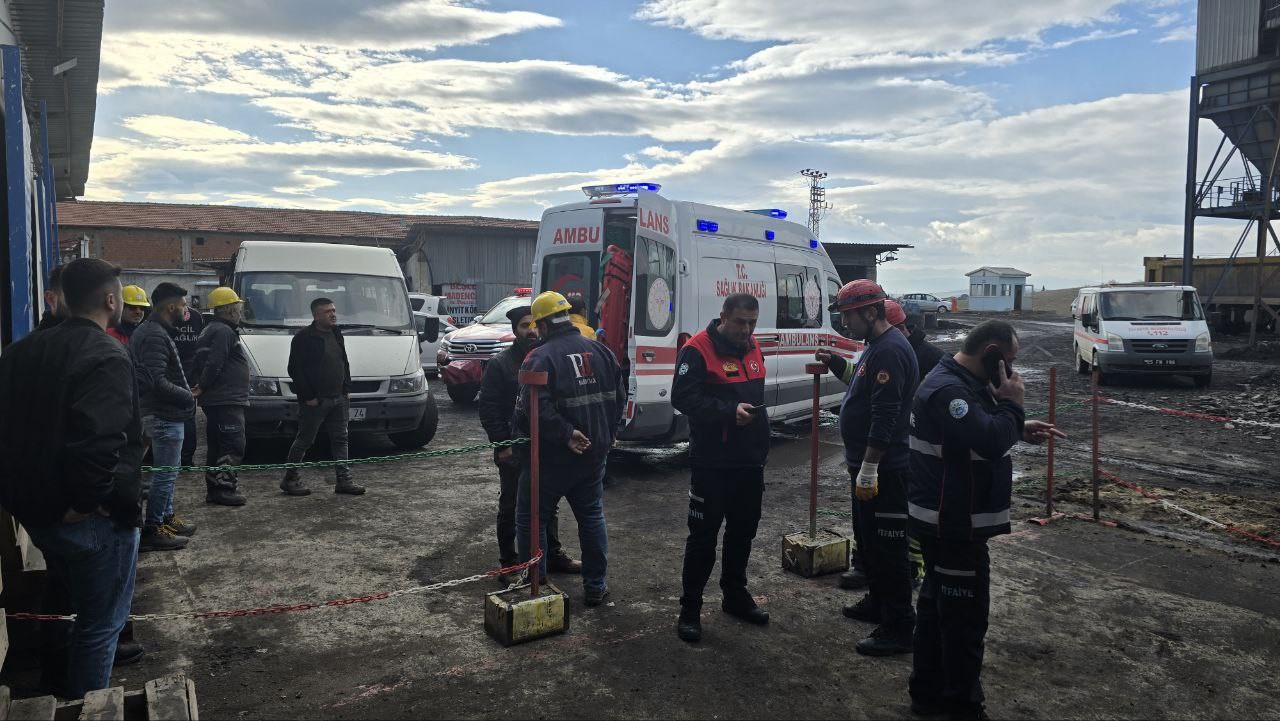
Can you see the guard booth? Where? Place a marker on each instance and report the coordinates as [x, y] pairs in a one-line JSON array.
[[999, 288]]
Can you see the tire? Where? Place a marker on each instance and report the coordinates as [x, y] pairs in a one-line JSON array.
[[464, 394], [1203, 381], [1082, 365], [943, 309], [422, 435]]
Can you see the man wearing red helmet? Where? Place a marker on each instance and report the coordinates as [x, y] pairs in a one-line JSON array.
[[874, 422]]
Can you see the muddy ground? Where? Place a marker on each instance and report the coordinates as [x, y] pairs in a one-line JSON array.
[[1088, 621]]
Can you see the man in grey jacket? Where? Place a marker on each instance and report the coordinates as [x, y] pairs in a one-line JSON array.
[[166, 402], [222, 379]]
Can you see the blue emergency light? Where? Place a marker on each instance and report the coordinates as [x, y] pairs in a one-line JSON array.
[[600, 191], [707, 226], [768, 235], [771, 212], [813, 243]]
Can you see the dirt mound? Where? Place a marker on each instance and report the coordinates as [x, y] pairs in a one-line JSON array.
[[1257, 399], [1264, 351]]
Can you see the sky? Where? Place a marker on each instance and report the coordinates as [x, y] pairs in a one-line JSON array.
[[1049, 136]]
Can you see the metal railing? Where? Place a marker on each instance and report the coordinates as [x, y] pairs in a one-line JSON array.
[[1236, 193]]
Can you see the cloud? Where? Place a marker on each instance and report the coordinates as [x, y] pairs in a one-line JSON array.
[[1091, 37], [1186, 33], [166, 128]]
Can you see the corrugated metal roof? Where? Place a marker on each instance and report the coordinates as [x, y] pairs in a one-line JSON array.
[[52, 32], [271, 221]]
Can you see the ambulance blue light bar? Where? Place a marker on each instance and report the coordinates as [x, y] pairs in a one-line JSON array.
[[813, 243], [771, 212], [708, 226], [768, 235], [601, 191]]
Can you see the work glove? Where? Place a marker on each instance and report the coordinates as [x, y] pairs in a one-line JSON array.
[[867, 484]]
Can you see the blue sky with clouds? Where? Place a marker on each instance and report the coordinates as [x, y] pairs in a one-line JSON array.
[[1048, 136]]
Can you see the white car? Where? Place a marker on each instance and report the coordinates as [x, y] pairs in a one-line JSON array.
[[927, 301], [429, 349]]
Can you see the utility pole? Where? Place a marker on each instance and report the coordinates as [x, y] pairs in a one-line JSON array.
[[818, 204]]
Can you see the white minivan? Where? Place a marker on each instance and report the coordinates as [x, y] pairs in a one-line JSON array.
[[684, 259], [278, 281], [1142, 328]]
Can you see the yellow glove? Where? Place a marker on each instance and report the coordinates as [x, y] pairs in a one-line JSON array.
[[867, 484]]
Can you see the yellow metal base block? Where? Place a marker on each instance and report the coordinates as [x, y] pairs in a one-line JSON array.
[[809, 557], [513, 616]]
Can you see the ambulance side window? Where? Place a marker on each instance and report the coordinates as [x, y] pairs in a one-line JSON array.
[[833, 288], [655, 287]]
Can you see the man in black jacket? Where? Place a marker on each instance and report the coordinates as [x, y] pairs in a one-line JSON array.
[[53, 298], [188, 328], [167, 403], [498, 392], [71, 434], [927, 354], [719, 385], [321, 378], [223, 383]]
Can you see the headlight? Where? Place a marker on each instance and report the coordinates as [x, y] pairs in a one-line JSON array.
[[264, 387], [1202, 343], [409, 384], [1115, 342]]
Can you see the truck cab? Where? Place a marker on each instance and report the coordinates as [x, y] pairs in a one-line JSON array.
[[1142, 329]]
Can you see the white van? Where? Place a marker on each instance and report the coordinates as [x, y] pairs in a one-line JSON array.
[[686, 258], [278, 281], [1143, 328]]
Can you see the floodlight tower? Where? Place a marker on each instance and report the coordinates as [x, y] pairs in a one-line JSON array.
[[818, 204]]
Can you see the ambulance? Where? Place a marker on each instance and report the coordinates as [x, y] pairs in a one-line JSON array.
[[652, 272]]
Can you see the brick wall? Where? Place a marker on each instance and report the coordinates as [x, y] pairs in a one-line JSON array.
[[161, 250]]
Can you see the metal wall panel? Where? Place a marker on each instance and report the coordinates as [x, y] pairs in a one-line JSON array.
[[1227, 33], [495, 265]]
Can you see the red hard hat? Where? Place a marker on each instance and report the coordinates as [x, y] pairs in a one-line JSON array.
[[894, 312], [859, 294]]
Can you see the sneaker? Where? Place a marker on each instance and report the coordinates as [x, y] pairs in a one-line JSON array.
[[224, 497], [865, 610], [350, 488], [689, 625], [885, 642], [853, 579], [128, 652], [595, 596], [160, 538], [180, 526]]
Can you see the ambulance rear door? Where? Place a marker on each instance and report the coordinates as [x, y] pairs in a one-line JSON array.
[[654, 302], [568, 254]]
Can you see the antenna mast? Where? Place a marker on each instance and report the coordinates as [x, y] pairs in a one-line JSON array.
[[818, 204]]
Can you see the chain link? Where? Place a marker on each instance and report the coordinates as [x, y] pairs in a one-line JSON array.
[[328, 464]]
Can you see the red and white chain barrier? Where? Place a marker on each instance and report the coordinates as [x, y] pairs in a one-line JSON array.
[[1190, 414], [1229, 528], [286, 608]]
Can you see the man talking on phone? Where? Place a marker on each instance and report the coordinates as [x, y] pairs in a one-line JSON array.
[[967, 416], [719, 386]]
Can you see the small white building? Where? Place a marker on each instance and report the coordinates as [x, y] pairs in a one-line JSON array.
[[998, 288]]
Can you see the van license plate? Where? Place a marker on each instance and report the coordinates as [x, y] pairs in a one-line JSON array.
[[1160, 362], [355, 414]]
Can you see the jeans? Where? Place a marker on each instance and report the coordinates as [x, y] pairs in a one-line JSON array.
[[224, 445], [97, 560], [166, 450], [951, 625], [584, 489], [732, 496], [882, 542], [509, 486], [331, 414]]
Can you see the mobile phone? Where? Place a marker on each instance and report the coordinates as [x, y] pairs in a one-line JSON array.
[[757, 409], [991, 363]]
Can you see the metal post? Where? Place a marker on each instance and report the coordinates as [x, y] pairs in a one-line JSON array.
[[534, 380], [817, 370], [1189, 212], [1053, 419], [1097, 401]]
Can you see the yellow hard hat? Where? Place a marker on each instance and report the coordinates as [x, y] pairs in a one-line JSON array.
[[134, 295], [548, 304], [222, 296]]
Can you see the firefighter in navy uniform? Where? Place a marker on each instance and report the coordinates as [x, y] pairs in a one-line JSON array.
[[719, 385], [874, 424], [578, 415], [967, 416]]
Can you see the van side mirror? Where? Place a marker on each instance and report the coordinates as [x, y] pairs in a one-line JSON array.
[[430, 332]]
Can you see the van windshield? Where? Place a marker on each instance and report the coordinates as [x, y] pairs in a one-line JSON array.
[[1150, 305], [283, 300]]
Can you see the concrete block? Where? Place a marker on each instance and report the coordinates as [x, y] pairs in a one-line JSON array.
[[809, 557], [513, 616]]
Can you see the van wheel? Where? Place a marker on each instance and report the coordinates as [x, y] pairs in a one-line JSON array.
[[422, 435], [464, 394], [1204, 380], [1082, 365]]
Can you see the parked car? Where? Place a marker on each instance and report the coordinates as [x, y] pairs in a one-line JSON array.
[[464, 353], [429, 349], [928, 302]]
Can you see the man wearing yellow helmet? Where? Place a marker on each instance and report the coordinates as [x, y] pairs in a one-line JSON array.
[[578, 414], [136, 307], [222, 377]]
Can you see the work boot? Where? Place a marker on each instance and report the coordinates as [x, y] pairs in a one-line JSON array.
[[128, 652], [853, 579], [180, 526], [929, 709], [225, 496], [885, 641], [160, 538], [595, 596], [747, 611], [562, 563], [865, 610], [976, 712], [349, 487], [689, 624], [292, 484]]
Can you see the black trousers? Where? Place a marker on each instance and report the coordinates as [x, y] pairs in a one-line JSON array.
[[508, 486], [189, 442], [951, 624], [732, 496], [881, 534], [224, 444]]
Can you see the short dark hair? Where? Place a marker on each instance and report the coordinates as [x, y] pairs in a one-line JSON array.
[[166, 292], [320, 302], [517, 314], [576, 305], [992, 331], [85, 279], [745, 301], [55, 278]]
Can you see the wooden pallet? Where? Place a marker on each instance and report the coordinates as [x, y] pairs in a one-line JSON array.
[[171, 698]]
